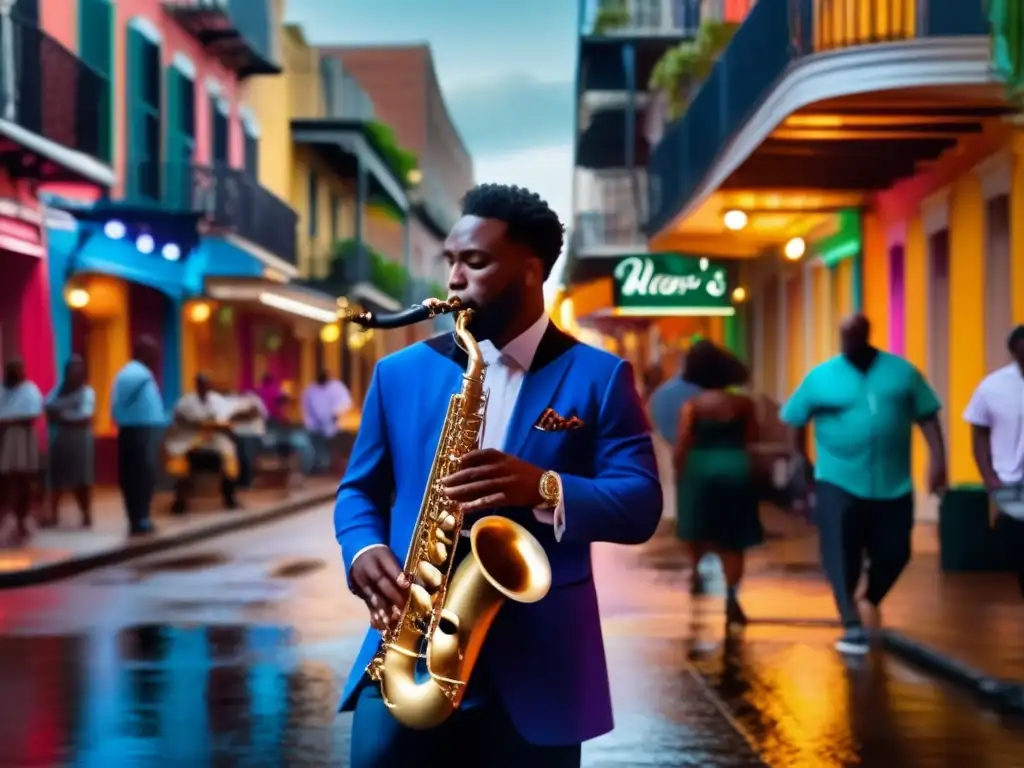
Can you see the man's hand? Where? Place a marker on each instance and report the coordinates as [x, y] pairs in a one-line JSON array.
[[937, 481], [488, 479], [378, 579]]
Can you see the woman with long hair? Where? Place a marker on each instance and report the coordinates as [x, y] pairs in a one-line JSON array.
[[70, 409], [21, 405], [717, 498]]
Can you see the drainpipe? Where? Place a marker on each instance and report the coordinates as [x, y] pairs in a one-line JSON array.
[[10, 93]]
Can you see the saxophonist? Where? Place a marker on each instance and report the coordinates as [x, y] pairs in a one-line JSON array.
[[565, 451]]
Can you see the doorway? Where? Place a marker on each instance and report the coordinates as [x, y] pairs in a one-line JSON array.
[[998, 293]]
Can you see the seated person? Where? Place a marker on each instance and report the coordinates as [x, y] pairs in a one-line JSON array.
[[200, 440], [249, 428]]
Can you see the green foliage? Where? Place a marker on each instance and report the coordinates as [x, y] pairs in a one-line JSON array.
[[438, 290], [1006, 35], [401, 161], [385, 274], [681, 69], [612, 15]]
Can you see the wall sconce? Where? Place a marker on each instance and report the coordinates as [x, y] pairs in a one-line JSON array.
[[77, 298], [330, 333], [795, 249], [735, 220], [739, 294], [199, 312]]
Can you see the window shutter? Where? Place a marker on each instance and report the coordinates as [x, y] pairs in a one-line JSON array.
[[174, 192], [96, 50], [136, 111]]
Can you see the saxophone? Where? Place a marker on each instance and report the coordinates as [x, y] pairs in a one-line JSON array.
[[447, 616]]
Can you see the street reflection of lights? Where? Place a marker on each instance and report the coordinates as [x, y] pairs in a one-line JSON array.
[[115, 230], [171, 252], [795, 249], [735, 220], [145, 243], [78, 298], [739, 294]]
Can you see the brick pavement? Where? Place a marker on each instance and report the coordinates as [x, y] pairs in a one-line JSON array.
[[68, 549]]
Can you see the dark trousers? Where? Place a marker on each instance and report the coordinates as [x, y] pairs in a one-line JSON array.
[[203, 460], [850, 528], [136, 471], [471, 738], [1011, 531]]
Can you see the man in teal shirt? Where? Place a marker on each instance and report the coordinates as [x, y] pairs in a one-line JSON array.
[[864, 404]]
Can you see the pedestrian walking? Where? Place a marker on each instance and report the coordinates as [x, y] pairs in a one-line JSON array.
[[864, 404], [21, 405], [70, 408], [996, 415], [138, 412]]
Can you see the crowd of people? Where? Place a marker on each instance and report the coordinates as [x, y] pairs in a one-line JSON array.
[[214, 429]]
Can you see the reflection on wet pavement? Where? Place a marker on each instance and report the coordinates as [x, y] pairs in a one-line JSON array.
[[236, 656]]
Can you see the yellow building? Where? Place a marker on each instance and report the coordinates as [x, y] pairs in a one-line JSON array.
[[321, 150]]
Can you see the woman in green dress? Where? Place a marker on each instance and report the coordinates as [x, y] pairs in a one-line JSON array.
[[717, 499]]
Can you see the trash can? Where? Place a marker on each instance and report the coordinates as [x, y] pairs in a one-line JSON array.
[[967, 542]]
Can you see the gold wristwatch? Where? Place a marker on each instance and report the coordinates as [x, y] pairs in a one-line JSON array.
[[551, 489]]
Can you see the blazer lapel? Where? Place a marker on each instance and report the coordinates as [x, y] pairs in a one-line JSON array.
[[540, 384]]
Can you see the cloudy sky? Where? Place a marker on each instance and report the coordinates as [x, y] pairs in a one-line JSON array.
[[506, 69]]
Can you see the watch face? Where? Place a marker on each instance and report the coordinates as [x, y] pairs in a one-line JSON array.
[[549, 485]]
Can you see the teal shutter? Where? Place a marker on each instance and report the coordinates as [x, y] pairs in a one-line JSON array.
[[136, 110], [96, 50], [174, 142]]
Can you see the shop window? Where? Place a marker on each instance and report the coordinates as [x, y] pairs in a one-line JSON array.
[[181, 136], [938, 318], [335, 217], [145, 124], [96, 49], [897, 318]]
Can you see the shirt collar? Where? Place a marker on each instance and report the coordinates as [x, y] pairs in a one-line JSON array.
[[522, 349]]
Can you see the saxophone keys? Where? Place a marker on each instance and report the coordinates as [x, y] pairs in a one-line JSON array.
[[422, 602], [447, 523], [437, 553], [429, 576]]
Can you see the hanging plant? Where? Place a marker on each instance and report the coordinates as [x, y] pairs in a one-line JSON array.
[[612, 15], [681, 69], [1006, 36]]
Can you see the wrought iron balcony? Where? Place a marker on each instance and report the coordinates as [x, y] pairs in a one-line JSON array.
[[240, 33], [775, 34], [230, 201], [49, 92]]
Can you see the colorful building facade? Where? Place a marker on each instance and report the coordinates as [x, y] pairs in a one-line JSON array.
[[847, 175]]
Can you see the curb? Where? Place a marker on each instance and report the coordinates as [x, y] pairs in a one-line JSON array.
[[1004, 695], [133, 549]]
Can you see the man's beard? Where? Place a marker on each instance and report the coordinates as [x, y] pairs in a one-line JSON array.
[[492, 319]]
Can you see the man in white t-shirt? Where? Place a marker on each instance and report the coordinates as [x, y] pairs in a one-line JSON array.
[[201, 441], [996, 416]]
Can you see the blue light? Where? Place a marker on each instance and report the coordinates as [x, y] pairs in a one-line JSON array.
[[115, 230], [145, 244], [171, 252]]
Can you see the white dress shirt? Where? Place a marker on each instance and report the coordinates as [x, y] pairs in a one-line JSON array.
[[998, 404], [503, 380]]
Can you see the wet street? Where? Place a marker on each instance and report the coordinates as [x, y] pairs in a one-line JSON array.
[[232, 652]]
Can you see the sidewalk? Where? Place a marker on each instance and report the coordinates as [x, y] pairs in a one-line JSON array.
[[968, 628], [58, 553]]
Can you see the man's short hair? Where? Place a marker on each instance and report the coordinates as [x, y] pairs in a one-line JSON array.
[[1016, 335], [528, 218]]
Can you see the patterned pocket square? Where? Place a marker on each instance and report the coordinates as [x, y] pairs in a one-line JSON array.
[[551, 421]]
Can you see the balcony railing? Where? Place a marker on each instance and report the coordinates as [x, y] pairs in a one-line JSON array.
[[775, 34], [48, 90], [229, 200], [238, 32], [641, 18], [601, 231]]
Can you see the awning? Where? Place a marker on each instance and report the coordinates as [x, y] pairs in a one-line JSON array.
[[292, 299]]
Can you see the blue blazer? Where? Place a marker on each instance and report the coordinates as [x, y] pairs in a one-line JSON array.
[[546, 660]]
